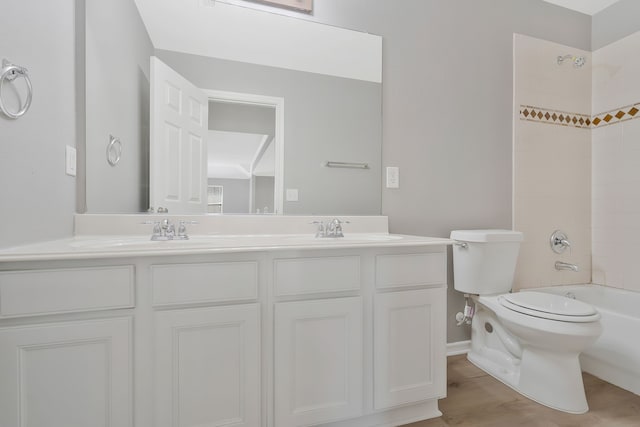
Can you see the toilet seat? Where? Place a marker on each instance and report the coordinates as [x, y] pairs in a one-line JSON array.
[[549, 306]]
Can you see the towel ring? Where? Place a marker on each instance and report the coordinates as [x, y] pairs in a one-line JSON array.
[[114, 150], [10, 72]]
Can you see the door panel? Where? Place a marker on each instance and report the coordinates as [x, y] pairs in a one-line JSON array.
[[178, 152]]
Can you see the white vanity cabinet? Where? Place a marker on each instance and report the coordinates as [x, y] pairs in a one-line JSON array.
[[318, 361], [326, 335], [71, 370], [409, 340], [408, 347], [318, 332], [207, 367], [359, 336], [207, 359]]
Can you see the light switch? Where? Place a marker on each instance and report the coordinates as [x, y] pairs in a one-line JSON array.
[[292, 194], [393, 177], [70, 160]]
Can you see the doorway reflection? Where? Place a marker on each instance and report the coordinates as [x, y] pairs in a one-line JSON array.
[[241, 157]]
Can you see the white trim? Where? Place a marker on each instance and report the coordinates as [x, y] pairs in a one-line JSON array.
[[459, 347], [278, 104]]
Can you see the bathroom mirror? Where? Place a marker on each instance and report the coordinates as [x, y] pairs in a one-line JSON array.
[[332, 101]]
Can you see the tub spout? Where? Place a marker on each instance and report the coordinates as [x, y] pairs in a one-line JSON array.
[[566, 266]]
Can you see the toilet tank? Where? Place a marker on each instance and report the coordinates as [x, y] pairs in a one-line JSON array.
[[484, 261]]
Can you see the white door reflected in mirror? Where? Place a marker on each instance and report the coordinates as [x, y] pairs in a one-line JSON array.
[[177, 150], [203, 140]]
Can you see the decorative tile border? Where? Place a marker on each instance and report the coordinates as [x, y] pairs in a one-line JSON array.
[[554, 117], [579, 120], [616, 116]]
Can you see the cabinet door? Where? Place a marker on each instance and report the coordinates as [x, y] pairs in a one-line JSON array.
[[409, 344], [318, 361], [74, 374], [208, 367]]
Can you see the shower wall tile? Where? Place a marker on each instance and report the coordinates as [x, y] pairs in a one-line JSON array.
[[617, 115], [616, 205], [554, 117], [552, 175], [616, 68], [540, 81], [582, 179], [552, 162]]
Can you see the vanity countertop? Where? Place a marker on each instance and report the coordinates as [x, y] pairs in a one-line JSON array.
[[100, 246]]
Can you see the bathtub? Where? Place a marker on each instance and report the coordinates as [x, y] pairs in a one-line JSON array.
[[615, 356]]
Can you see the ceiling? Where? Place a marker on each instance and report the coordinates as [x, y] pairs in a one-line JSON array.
[[589, 7], [238, 155]]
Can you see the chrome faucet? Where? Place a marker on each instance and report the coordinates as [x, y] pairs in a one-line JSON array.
[[334, 228], [331, 228], [559, 242], [566, 266], [165, 230]]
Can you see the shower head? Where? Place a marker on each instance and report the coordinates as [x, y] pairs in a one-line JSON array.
[[578, 61]]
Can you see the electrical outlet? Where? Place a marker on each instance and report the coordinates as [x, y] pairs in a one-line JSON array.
[[292, 194], [393, 177], [70, 160]]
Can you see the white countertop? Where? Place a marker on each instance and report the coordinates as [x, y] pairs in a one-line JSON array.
[[118, 236], [114, 246]]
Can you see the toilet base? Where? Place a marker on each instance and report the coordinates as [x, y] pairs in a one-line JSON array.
[[550, 379]]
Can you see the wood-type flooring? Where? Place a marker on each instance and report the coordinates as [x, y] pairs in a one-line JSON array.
[[475, 399]]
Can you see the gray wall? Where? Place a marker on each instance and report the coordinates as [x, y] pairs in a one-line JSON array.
[[263, 193], [37, 199], [615, 22], [117, 90], [230, 117], [235, 194], [326, 118]]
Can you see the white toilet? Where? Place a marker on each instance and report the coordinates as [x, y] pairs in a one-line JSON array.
[[528, 340]]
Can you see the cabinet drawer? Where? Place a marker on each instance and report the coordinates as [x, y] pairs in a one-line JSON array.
[[210, 282], [38, 292], [316, 275], [396, 271]]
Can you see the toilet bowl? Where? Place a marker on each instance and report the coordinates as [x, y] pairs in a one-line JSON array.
[[530, 341], [535, 355]]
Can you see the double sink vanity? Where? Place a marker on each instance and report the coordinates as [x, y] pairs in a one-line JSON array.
[[262, 325]]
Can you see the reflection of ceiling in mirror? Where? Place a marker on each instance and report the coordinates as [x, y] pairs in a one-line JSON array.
[[267, 164], [303, 5], [590, 7], [231, 155], [236, 33]]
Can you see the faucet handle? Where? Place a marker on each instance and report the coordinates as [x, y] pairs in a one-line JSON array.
[[171, 230], [182, 229], [321, 230], [559, 242], [336, 227], [157, 229]]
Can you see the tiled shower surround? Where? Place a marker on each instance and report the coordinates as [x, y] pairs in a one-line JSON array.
[[616, 167], [577, 162]]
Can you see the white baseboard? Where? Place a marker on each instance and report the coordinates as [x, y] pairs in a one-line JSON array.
[[460, 347]]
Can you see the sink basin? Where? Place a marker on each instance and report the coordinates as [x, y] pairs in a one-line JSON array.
[[219, 241], [372, 237], [144, 242]]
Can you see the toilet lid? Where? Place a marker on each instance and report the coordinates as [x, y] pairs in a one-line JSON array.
[[543, 304]]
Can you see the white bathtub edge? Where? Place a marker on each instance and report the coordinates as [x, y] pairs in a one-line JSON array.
[[610, 373]]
